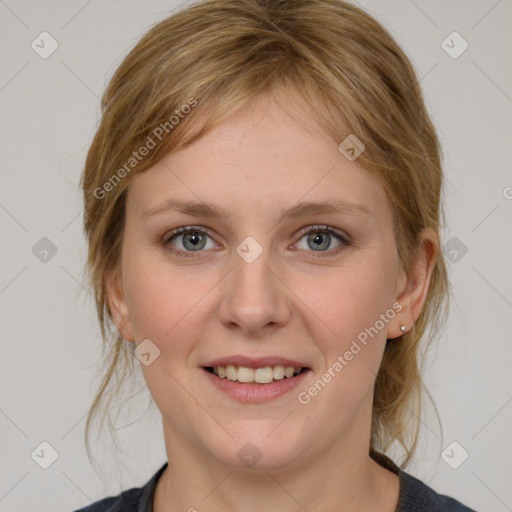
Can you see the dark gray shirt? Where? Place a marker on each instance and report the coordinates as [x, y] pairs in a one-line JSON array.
[[415, 496]]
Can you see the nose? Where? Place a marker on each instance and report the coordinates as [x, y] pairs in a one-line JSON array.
[[254, 297]]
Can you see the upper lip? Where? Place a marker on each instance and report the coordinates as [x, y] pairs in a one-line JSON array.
[[255, 362]]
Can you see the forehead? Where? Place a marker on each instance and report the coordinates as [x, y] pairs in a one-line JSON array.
[[262, 158]]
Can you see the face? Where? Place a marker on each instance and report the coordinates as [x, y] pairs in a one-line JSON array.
[[265, 282]]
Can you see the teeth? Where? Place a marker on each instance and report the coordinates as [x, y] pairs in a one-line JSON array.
[[263, 375], [231, 373], [245, 374], [278, 372]]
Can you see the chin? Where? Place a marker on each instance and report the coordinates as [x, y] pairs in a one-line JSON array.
[[256, 450]]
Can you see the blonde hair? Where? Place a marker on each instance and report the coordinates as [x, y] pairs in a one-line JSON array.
[[223, 53]]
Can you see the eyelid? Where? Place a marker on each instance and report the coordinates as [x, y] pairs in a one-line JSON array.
[[323, 227], [184, 229]]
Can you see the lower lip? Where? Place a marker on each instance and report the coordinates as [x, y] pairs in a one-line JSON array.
[[253, 392]]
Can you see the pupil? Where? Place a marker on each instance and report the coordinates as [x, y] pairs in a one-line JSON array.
[[319, 240], [193, 240]]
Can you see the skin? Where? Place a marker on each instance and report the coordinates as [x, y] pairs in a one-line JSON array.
[[287, 303]]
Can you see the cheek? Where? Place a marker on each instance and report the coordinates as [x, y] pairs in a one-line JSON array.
[[155, 300], [167, 304], [165, 307], [348, 311], [346, 301]]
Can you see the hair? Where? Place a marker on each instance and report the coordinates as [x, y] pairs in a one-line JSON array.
[[218, 55]]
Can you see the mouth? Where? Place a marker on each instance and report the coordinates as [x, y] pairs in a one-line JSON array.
[[255, 380], [262, 375]]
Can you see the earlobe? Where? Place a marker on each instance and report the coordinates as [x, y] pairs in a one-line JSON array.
[[118, 307], [412, 292], [401, 324]]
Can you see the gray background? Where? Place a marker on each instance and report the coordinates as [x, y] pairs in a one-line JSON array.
[[50, 340]]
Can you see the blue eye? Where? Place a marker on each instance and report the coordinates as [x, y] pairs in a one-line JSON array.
[[320, 238], [193, 239]]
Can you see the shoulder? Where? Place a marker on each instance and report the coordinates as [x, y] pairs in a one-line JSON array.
[[415, 496], [136, 499], [127, 501]]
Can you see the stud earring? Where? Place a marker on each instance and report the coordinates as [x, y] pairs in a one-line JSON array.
[[403, 328]]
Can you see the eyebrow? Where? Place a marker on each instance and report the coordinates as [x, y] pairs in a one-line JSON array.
[[203, 209]]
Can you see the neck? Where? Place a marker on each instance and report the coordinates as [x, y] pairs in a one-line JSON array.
[[343, 479]]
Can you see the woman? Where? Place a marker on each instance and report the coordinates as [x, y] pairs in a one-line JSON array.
[[262, 206]]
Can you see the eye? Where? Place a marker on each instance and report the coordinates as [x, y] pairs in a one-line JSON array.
[[321, 238], [188, 239]]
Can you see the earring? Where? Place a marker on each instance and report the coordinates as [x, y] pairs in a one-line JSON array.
[[403, 328]]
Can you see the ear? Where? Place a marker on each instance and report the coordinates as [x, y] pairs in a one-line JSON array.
[[118, 306], [412, 287]]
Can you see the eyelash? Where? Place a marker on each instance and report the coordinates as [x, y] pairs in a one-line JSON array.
[[310, 229]]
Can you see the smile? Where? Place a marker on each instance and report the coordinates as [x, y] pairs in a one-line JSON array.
[[264, 375], [253, 385]]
